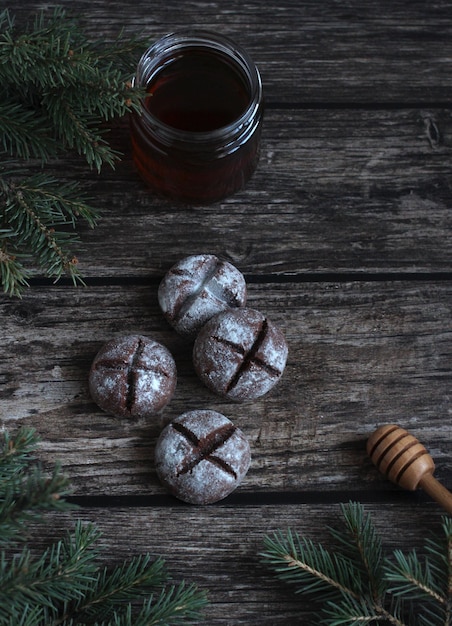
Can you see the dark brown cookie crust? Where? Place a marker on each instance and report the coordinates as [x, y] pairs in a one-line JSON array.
[[201, 457], [197, 288], [240, 354], [132, 376]]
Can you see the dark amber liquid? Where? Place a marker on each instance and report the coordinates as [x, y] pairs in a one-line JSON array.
[[199, 92]]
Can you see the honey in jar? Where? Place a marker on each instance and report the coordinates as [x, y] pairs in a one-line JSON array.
[[197, 136]]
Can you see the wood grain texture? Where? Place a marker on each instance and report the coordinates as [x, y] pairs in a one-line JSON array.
[[360, 354], [329, 52], [218, 548], [344, 235], [335, 191]]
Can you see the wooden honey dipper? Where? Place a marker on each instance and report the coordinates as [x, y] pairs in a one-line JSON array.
[[406, 462]]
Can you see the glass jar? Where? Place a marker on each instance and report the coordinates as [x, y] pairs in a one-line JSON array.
[[197, 136]]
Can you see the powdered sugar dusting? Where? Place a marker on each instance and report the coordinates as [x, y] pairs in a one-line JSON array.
[[214, 473], [197, 288], [240, 354], [133, 376]]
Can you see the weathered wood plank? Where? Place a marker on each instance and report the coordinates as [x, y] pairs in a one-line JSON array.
[[307, 51], [217, 547], [361, 354], [334, 191], [354, 178]]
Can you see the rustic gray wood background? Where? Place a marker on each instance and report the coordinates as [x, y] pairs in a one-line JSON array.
[[345, 237]]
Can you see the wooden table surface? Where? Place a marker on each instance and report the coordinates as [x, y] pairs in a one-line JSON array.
[[344, 235]]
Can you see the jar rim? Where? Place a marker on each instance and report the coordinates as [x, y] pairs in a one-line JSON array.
[[188, 39]]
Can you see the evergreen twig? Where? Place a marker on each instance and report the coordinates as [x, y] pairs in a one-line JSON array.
[[38, 211], [58, 91], [427, 580], [66, 585], [25, 490], [357, 584]]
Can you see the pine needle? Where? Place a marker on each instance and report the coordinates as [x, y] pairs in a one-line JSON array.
[[66, 584], [25, 490], [59, 90], [313, 569], [40, 216], [356, 584]]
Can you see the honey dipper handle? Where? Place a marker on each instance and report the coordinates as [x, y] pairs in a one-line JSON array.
[[437, 491]]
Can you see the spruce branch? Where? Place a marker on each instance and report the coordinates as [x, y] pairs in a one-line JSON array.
[[130, 580], [59, 91], [31, 617], [298, 560], [174, 606], [357, 584], [24, 133], [76, 129], [13, 274], [16, 454], [39, 220], [428, 580], [69, 83], [44, 581], [66, 584], [363, 545], [25, 490]]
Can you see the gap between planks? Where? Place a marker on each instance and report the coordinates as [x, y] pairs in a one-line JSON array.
[[260, 499], [309, 277]]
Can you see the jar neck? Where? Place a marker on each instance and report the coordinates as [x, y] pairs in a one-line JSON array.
[[172, 47]]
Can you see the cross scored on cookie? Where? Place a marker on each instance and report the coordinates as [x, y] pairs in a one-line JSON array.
[[132, 370], [208, 285], [204, 448], [249, 356]]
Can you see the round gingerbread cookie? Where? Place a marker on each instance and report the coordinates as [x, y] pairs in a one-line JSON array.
[[132, 376], [240, 354], [201, 457], [197, 288]]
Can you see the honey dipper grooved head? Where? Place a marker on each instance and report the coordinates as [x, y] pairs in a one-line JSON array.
[[399, 456]]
